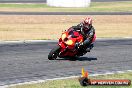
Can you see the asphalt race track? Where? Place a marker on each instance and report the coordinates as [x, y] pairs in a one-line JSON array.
[[22, 62]]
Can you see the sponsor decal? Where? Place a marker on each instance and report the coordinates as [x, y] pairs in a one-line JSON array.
[[86, 81]]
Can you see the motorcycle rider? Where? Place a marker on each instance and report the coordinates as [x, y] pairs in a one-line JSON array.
[[88, 32]]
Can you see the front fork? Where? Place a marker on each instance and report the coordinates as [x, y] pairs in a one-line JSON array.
[[64, 48]]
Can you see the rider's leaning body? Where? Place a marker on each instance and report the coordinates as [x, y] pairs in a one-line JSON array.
[[88, 32]]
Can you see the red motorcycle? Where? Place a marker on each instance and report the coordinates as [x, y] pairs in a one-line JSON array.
[[66, 45]]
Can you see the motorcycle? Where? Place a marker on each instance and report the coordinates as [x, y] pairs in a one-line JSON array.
[[66, 45]]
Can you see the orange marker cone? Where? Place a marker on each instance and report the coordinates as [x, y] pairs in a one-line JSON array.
[[84, 74]]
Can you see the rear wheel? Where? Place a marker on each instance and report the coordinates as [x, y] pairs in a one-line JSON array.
[[73, 58], [54, 53]]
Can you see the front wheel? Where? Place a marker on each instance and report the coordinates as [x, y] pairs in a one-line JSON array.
[[54, 53]]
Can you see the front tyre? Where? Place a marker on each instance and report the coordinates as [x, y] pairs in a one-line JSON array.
[[54, 53]]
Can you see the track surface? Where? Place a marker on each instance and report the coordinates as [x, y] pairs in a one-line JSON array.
[[28, 61]]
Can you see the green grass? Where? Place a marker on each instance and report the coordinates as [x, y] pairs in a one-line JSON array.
[[74, 83], [95, 6], [23, 6]]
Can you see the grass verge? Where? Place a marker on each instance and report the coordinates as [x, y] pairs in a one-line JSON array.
[[95, 6], [74, 83]]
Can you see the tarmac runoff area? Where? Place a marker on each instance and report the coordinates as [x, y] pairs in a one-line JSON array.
[[22, 62]]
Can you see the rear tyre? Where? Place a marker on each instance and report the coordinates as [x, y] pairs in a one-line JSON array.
[[74, 58], [54, 53]]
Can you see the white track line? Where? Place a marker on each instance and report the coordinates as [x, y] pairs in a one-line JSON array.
[[40, 81]]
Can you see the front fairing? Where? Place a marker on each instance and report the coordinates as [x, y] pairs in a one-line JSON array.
[[68, 40], [70, 37]]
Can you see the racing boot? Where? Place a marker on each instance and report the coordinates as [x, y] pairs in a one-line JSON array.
[[80, 48], [89, 48], [78, 45]]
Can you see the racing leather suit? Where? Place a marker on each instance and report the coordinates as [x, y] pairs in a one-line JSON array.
[[87, 35]]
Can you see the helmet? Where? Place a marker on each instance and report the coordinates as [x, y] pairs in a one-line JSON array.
[[87, 23]]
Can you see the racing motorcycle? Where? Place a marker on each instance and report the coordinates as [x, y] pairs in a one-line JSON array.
[[66, 45]]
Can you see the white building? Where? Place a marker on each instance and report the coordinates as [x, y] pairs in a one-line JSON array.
[[69, 3]]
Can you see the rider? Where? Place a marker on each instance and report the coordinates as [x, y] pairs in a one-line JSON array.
[[87, 31]]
